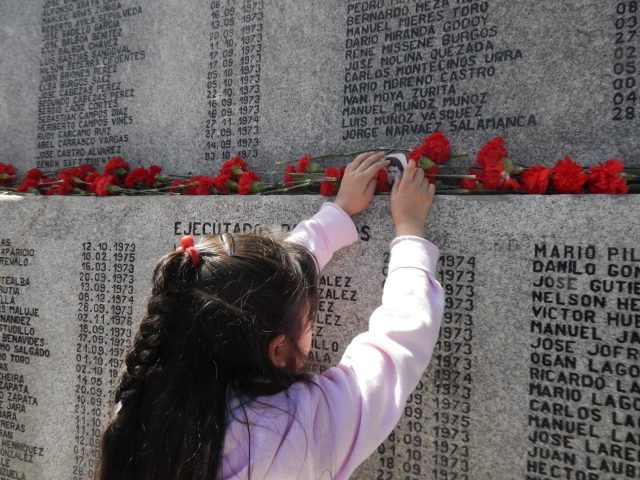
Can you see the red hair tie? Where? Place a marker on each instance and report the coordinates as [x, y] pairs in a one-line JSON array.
[[186, 245]]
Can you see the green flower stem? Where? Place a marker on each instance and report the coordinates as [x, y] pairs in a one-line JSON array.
[[319, 177], [345, 154], [447, 166], [296, 183], [472, 177], [307, 175], [148, 192], [168, 187], [180, 177], [286, 189], [357, 152], [456, 191], [159, 189], [462, 191]]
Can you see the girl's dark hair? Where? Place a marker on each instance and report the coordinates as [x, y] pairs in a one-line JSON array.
[[206, 334]]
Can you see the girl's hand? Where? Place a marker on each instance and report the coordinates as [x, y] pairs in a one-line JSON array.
[[411, 200], [359, 182]]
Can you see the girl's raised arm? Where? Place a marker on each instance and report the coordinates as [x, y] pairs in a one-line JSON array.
[[331, 228], [325, 233], [366, 392]]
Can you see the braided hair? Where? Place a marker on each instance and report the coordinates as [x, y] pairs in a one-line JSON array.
[[206, 335]]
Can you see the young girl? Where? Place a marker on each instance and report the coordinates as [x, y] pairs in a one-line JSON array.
[[215, 385]]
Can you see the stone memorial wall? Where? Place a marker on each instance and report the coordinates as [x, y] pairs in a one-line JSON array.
[[189, 84], [536, 374]]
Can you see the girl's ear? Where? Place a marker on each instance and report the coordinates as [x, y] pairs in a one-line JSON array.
[[279, 351]]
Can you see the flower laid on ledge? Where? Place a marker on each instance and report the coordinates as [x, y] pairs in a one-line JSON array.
[[494, 172]]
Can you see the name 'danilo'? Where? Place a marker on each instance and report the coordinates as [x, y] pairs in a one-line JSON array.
[[564, 259]]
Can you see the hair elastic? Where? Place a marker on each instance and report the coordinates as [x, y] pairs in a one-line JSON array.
[[230, 248], [186, 245]]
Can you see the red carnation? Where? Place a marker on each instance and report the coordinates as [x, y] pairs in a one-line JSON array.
[[382, 181], [178, 186], [328, 187], [469, 184], [430, 172], [303, 164], [28, 183], [337, 172], [221, 184], [568, 176], [203, 185], [145, 177], [607, 178], [492, 152], [493, 175], [77, 177], [535, 179], [232, 185], [249, 183], [117, 168], [436, 147], [68, 175], [85, 170], [35, 173], [105, 186], [137, 177], [31, 181], [92, 180], [288, 178], [60, 187], [612, 185], [154, 176], [234, 167], [511, 184], [7, 173]]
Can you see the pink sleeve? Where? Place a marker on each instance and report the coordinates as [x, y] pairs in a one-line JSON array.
[[367, 391], [325, 233]]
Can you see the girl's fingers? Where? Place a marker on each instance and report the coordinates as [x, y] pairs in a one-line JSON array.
[[371, 187], [409, 173], [395, 187], [361, 158], [371, 160], [373, 169]]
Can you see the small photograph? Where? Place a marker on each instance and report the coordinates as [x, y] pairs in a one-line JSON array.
[[396, 168]]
